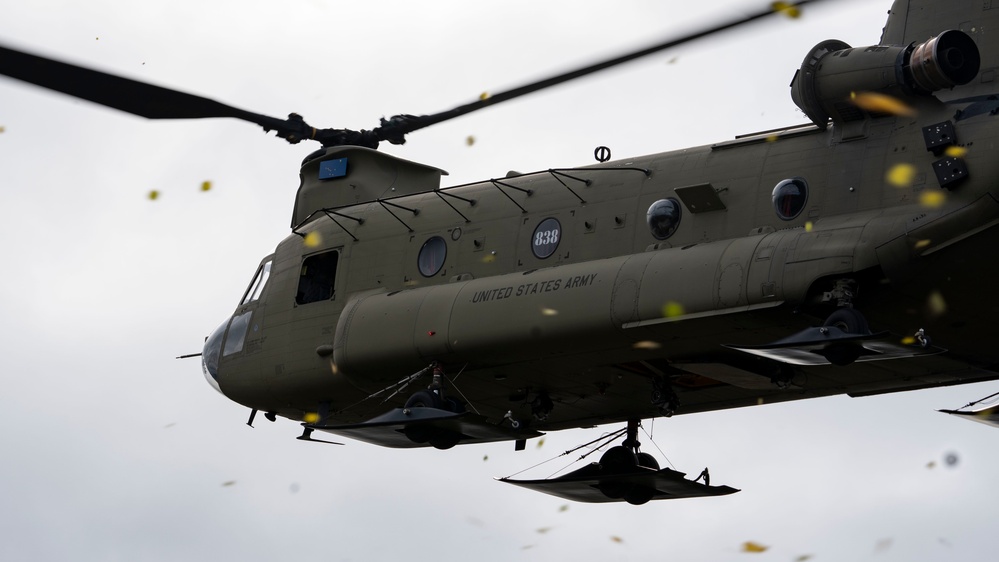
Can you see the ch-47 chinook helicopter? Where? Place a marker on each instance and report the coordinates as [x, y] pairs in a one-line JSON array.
[[777, 266]]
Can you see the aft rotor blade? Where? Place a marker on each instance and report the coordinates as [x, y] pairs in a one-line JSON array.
[[393, 129], [123, 94]]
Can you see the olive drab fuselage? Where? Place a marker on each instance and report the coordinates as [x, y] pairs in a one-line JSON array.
[[584, 285]]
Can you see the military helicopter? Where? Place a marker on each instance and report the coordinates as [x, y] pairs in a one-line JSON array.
[[406, 314]]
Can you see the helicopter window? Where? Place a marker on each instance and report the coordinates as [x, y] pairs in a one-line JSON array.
[[317, 278], [432, 255], [789, 198], [237, 334], [546, 238], [259, 280], [664, 217]]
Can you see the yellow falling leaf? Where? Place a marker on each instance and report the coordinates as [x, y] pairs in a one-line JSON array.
[[922, 244], [541, 442], [930, 465], [750, 546], [616, 539], [485, 458], [803, 558], [880, 103], [901, 175], [229, 483], [563, 508], [932, 199], [549, 312], [787, 9], [153, 195], [310, 417], [484, 96], [206, 185], [2, 129], [952, 151], [772, 138], [646, 344], [672, 309], [809, 226], [312, 239], [908, 340], [489, 258], [936, 304], [469, 140]]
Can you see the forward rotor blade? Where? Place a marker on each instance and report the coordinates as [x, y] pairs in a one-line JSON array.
[[123, 94], [395, 128]]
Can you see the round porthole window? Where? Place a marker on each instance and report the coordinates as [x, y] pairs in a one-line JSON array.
[[546, 238], [664, 218], [432, 256], [789, 198]]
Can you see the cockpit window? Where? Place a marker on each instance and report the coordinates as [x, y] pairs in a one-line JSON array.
[[317, 278], [257, 286], [237, 334]]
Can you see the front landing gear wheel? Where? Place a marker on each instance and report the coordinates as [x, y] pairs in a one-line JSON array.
[[423, 399], [617, 460], [850, 320]]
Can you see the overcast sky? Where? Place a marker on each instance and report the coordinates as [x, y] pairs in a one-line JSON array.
[[111, 449]]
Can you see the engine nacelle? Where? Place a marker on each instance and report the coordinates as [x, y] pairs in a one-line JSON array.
[[833, 70]]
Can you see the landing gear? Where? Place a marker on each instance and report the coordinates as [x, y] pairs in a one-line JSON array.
[[851, 322], [626, 459], [664, 398], [433, 397]]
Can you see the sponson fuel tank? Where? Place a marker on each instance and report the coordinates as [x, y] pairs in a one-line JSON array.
[[558, 310]]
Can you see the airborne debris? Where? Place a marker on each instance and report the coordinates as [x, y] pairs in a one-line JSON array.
[[936, 304], [880, 103], [932, 199], [153, 195], [312, 239], [310, 417], [646, 344], [956, 151], [803, 558], [206, 185], [469, 140], [485, 458], [787, 9], [484, 96], [563, 508], [542, 530], [901, 175], [672, 309], [541, 442], [229, 483], [617, 539], [951, 459], [883, 545], [750, 546], [809, 226]]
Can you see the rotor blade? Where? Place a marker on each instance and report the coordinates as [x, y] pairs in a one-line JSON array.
[[393, 129], [137, 98]]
